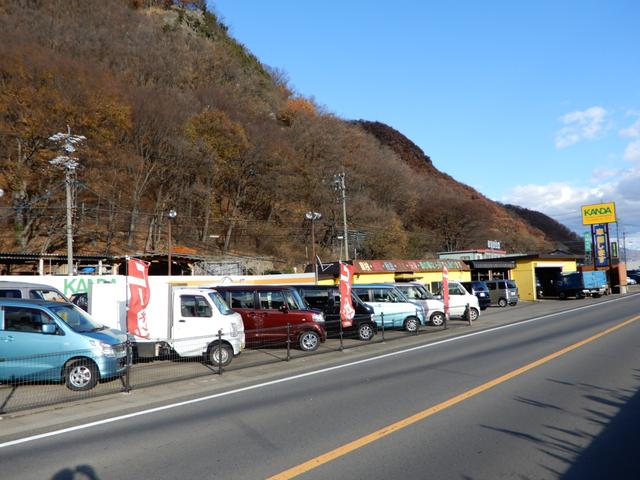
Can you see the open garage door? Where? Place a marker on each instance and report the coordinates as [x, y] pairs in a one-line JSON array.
[[545, 276]]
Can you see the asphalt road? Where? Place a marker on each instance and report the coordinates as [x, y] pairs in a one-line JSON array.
[[463, 408]]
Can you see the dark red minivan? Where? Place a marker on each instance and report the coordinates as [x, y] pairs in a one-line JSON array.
[[266, 312]]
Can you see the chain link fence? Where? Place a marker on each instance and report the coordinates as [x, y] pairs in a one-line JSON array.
[[40, 380]]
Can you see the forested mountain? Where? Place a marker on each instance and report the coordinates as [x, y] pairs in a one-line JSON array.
[[177, 114]]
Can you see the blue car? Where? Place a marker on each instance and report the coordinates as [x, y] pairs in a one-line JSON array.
[[390, 304], [55, 341]]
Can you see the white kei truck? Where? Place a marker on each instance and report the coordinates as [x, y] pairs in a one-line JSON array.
[[187, 321]]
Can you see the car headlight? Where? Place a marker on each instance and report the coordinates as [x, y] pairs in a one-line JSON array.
[[318, 317], [102, 349]]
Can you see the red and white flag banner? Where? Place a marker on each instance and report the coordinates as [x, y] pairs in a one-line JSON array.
[[139, 294], [445, 289], [347, 311]]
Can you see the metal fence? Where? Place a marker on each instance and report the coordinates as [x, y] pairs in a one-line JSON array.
[[40, 380]]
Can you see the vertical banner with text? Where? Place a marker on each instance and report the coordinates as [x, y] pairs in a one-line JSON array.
[[139, 293], [445, 289], [346, 307], [600, 240]]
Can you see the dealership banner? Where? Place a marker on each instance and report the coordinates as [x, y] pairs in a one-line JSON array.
[[600, 245], [139, 294], [347, 311], [598, 213], [445, 290]]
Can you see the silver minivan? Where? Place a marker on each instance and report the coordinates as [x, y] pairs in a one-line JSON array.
[[502, 292]]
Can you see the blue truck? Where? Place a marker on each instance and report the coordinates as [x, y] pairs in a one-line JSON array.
[[580, 284]]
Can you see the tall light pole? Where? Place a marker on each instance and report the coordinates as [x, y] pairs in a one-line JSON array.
[[172, 215], [313, 216], [69, 164], [340, 185]]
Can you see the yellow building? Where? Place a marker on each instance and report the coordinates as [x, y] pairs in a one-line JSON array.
[[526, 269]]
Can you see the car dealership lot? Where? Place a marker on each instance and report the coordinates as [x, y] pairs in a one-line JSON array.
[[30, 408]]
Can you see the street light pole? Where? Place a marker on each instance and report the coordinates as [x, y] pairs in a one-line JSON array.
[[69, 164], [172, 214], [313, 216]]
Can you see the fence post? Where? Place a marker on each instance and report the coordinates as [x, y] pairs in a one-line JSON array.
[[341, 335], [382, 320], [418, 323], [446, 320], [127, 373], [288, 341], [468, 313], [219, 352]]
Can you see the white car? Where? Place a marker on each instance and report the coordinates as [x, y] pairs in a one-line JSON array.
[[631, 281], [417, 292], [459, 298]]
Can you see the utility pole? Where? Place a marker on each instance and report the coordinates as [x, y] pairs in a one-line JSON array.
[[313, 216], [70, 164], [340, 185]]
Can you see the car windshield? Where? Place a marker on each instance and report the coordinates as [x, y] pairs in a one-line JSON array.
[[295, 301], [77, 319], [416, 292], [220, 304]]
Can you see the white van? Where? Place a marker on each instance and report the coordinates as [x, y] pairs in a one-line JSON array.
[[459, 298], [417, 292]]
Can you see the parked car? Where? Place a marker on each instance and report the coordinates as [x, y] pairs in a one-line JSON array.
[[631, 281], [327, 299], [480, 290], [32, 291], [388, 302], [462, 304], [503, 292], [418, 293], [47, 340], [268, 310]]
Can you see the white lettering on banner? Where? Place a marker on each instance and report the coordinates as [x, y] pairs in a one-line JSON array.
[[347, 312]]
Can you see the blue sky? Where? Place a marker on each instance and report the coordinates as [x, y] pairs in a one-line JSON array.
[[532, 103]]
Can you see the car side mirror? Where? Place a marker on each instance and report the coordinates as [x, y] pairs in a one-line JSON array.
[[49, 329]]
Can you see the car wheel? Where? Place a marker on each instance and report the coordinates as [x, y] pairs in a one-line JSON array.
[[219, 354], [502, 302], [437, 319], [473, 314], [411, 324], [309, 341], [562, 295], [81, 375], [483, 308], [365, 331]]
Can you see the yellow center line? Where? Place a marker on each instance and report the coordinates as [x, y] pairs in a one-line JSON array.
[[399, 425]]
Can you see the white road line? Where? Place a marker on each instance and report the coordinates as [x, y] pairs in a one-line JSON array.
[[292, 378]]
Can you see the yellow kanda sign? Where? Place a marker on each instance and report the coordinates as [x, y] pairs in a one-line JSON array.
[[598, 213]]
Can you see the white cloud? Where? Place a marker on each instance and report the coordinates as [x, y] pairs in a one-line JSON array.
[[632, 152], [562, 201], [581, 125], [632, 131]]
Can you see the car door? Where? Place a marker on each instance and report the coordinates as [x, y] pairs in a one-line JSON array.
[[272, 303], [244, 302], [26, 352], [457, 300], [193, 322]]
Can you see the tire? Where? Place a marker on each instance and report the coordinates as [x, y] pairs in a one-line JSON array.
[[483, 308], [219, 354], [562, 296], [474, 314], [365, 332], [502, 302], [309, 341], [437, 319], [579, 296], [411, 324], [81, 375]]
